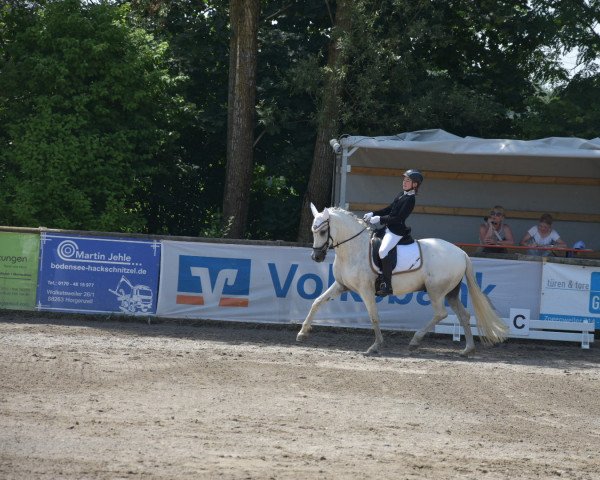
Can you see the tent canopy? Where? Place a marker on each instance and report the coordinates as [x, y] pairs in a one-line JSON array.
[[466, 176], [440, 141]]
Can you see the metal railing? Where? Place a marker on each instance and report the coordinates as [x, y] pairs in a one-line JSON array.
[[557, 251]]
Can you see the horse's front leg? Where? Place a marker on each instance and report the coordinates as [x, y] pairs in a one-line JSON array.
[[371, 304], [335, 290]]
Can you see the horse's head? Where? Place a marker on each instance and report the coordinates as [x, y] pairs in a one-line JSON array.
[[321, 234], [333, 223]]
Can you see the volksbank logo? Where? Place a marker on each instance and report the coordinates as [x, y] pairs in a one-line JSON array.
[[289, 281], [213, 281]]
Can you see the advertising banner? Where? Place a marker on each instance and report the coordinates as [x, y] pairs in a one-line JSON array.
[[279, 284], [19, 256], [570, 293], [98, 275]]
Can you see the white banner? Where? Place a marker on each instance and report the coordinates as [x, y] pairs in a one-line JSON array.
[[570, 293], [279, 284]]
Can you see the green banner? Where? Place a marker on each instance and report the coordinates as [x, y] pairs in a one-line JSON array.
[[19, 256]]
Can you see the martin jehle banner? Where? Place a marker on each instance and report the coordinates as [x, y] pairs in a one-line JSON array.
[[98, 274], [279, 284]]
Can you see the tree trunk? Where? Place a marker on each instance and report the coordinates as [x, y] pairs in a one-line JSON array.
[[244, 15], [321, 174]]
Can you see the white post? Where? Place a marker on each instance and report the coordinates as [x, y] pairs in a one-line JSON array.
[[345, 169], [585, 337], [456, 329], [343, 174]]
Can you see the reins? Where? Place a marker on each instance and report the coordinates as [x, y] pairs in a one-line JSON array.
[[348, 239]]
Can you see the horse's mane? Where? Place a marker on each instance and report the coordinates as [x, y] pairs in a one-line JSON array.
[[345, 212]]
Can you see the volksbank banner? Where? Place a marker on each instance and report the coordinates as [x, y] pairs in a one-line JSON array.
[[19, 255], [570, 293], [279, 285], [97, 274]]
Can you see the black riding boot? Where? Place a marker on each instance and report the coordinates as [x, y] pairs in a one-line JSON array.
[[384, 284]]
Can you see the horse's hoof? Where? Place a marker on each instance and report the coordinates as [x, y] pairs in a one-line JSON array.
[[467, 352], [372, 353], [301, 337], [413, 346]]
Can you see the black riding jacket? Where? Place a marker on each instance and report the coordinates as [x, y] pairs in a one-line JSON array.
[[394, 216]]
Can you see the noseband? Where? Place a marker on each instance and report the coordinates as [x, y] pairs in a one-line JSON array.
[[329, 243]]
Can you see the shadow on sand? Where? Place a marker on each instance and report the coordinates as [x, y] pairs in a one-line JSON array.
[[354, 341]]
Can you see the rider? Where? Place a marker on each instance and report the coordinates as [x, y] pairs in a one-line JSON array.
[[393, 217]]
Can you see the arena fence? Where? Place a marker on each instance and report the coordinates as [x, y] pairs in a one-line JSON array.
[[266, 282]]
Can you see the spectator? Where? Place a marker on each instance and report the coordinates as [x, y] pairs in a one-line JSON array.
[[495, 232], [542, 235]]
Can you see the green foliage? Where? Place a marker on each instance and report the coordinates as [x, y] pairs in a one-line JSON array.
[[215, 226], [184, 197], [113, 115], [570, 111], [463, 66], [86, 102], [273, 211], [293, 39]]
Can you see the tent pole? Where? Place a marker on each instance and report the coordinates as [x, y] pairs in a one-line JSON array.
[[345, 169], [343, 175]]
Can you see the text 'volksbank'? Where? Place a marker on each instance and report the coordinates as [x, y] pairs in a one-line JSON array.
[[310, 285]]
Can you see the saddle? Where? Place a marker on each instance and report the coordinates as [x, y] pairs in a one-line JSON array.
[[376, 238]]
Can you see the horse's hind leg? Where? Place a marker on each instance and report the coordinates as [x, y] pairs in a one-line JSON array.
[[335, 290], [464, 317], [439, 313]]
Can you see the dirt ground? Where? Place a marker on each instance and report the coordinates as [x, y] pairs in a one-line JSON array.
[[85, 398]]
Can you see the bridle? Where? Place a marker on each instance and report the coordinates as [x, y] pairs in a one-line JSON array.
[[330, 243]]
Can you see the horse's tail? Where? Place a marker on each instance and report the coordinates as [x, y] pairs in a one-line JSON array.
[[491, 328]]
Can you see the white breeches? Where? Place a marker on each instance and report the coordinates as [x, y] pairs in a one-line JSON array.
[[390, 240]]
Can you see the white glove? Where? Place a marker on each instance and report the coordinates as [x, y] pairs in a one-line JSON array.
[[367, 216], [374, 219]]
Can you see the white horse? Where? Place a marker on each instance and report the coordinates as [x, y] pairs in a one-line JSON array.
[[443, 267]]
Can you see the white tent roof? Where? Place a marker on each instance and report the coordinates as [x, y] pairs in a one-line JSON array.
[[440, 141]]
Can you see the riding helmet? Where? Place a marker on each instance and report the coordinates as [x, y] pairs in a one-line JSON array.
[[414, 175]]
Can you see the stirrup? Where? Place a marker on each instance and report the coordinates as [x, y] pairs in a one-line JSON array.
[[378, 281], [383, 289]]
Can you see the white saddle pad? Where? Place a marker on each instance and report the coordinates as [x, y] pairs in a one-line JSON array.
[[408, 258]]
